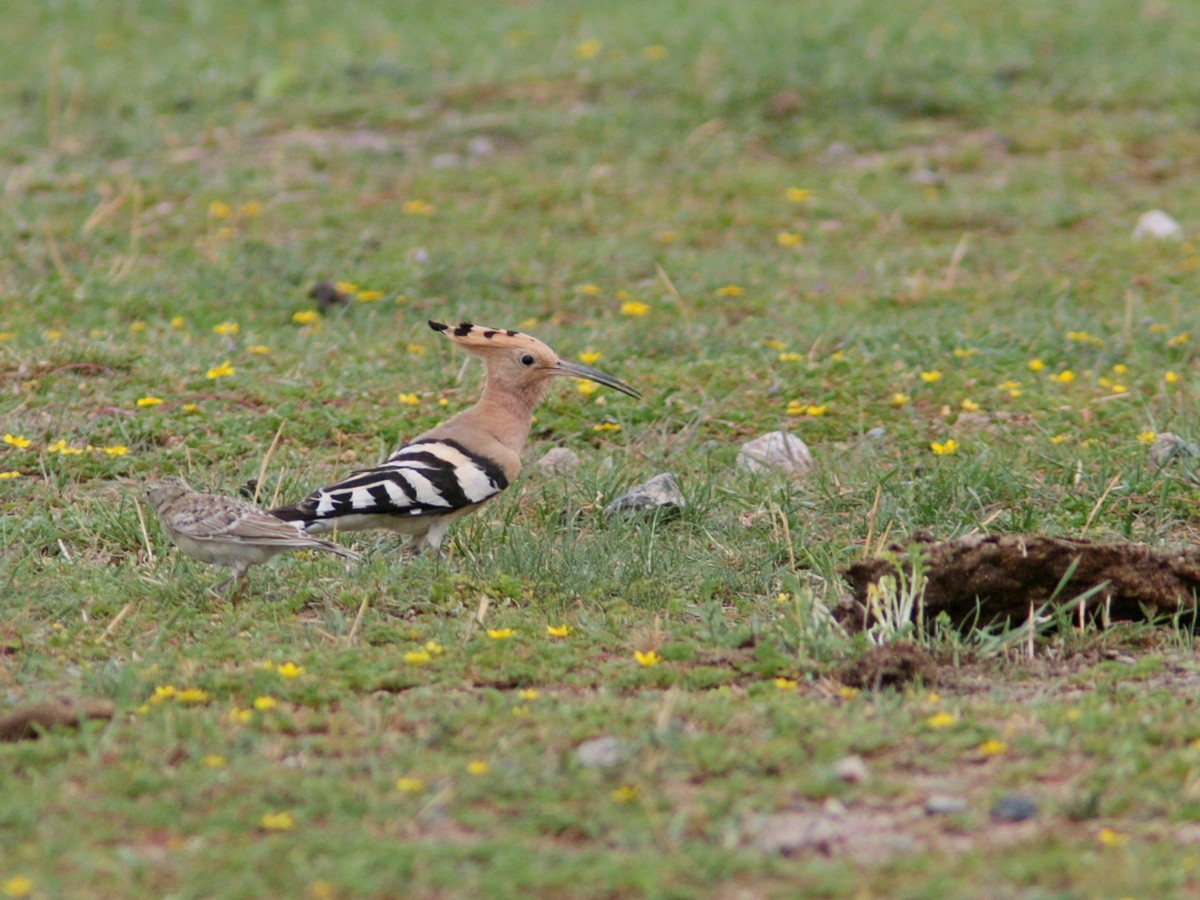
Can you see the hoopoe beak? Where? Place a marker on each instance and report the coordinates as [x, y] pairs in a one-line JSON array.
[[578, 370]]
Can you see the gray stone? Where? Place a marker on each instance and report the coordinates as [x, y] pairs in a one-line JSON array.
[[776, 451], [944, 805], [600, 753], [559, 461], [661, 493], [1169, 448], [1158, 225], [1014, 808]]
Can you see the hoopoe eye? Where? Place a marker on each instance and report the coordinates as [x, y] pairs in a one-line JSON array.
[[527, 360]]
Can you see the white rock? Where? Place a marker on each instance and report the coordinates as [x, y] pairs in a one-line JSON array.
[[1157, 224], [775, 451], [851, 769], [659, 493], [601, 753], [559, 461]]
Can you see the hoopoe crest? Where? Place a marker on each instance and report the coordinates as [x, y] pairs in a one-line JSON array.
[[458, 466]]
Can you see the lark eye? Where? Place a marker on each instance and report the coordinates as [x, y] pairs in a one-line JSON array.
[[527, 360]]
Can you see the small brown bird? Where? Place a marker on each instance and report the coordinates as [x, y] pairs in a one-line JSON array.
[[458, 466], [225, 531]]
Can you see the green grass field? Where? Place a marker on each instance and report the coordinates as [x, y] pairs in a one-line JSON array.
[[826, 217]]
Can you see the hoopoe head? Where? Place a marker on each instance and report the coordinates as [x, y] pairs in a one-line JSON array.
[[522, 364], [162, 491]]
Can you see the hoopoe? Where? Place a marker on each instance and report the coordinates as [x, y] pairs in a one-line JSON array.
[[225, 531], [455, 468]]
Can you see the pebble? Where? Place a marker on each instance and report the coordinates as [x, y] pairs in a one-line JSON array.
[[851, 769], [1157, 224], [775, 451], [944, 805], [659, 493], [559, 461], [1014, 808], [600, 753]]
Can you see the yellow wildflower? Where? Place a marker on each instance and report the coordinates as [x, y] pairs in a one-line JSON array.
[[1061, 438], [558, 630], [369, 296], [944, 448], [931, 377], [163, 692], [433, 648], [289, 670], [265, 702], [115, 450], [1147, 437], [1036, 365], [730, 290], [626, 793], [60, 446], [969, 406], [666, 237], [790, 356], [649, 658], [606, 426], [589, 49], [17, 440], [258, 349], [899, 399], [306, 317], [11, 473], [409, 400], [992, 747], [414, 349], [220, 371], [192, 695], [418, 207], [773, 344], [798, 195], [587, 388], [816, 410], [52, 334], [219, 210], [634, 308], [345, 287], [1179, 340], [1109, 838], [941, 720], [410, 785], [17, 886], [250, 209], [1170, 377], [241, 716], [785, 684], [1120, 368], [528, 694], [1066, 376], [149, 401], [280, 821], [590, 357], [588, 289], [795, 408], [789, 239], [226, 328], [178, 323], [6, 336], [965, 353], [478, 767], [500, 634], [847, 693], [417, 657], [190, 408]]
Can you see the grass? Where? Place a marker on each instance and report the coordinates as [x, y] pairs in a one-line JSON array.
[[818, 205]]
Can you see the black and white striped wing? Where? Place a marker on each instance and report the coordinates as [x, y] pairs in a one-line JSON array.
[[425, 478]]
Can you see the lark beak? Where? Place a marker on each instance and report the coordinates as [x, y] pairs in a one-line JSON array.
[[578, 370]]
